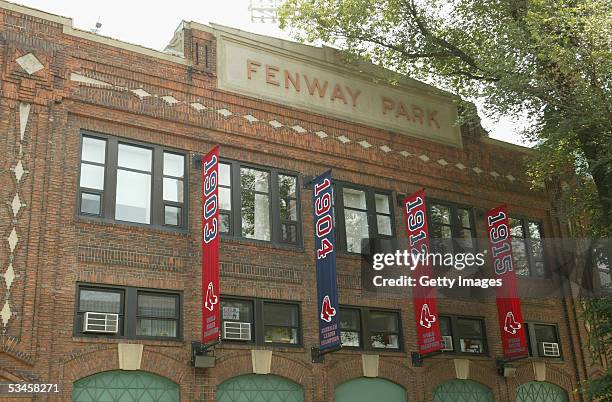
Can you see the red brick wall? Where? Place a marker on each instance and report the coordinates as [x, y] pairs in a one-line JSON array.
[[57, 248]]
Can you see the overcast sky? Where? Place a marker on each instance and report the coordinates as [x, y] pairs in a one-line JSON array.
[[152, 24]]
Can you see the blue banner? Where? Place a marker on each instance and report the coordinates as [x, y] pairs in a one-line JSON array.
[[325, 245]]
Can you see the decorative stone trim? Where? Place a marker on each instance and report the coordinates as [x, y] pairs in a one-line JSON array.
[[539, 371], [130, 356], [462, 368], [370, 365], [31, 65], [277, 123], [262, 361]]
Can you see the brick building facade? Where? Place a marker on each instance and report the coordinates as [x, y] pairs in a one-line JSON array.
[[92, 126]]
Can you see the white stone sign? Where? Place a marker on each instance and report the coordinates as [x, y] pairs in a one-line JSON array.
[[314, 85]]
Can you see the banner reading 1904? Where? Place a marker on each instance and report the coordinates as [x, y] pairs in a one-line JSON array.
[[514, 343], [423, 297], [210, 247], [325, 244]]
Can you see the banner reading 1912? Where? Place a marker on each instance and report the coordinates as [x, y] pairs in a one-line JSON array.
[[423, 297], [514, 343], [325, 244], [210, 247]]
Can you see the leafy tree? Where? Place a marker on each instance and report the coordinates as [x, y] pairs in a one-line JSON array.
[[550, 60]]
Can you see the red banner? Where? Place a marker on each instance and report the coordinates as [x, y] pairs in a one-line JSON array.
[[511, 324], [423, 297], [210, 247]]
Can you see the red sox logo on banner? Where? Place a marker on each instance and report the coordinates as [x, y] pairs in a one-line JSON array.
[[211, 299], [423, 297], [514, 342], [327, 311], [210, 247], [511, 326], [427, 319]]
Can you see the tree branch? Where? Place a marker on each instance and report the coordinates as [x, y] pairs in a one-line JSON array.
[[474, 76], [451, 48]]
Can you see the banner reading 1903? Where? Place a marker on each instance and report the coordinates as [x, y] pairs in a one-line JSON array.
[[423, 297], [325, 244], [512, 328], [210, 247]]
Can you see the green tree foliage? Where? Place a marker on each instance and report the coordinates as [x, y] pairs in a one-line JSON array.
[[550, 60], [598, 313]]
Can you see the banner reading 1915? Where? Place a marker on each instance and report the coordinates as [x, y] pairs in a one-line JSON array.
[[325, 244], [512, 328], [423, 297], [210, 247]]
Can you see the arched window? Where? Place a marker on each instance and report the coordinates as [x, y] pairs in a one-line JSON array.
[[539, 391], [257, 387], [462, 391], [128, 386], [368, 390]]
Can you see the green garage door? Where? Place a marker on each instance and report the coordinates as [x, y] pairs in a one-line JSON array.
[[369, 390], [125, 386], [536, 391], [462, 391], [259, 388]]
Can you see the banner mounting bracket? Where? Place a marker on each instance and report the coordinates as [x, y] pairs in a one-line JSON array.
[[317, 355], [202, 355], [417, 358]]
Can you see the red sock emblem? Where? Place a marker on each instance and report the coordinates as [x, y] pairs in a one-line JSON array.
[[211, 298], [327, 311], [426, 317], [511, 326]]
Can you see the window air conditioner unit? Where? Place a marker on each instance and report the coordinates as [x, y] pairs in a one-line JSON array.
[[239, 331], [550, 349], [105, 323], [447, 343]]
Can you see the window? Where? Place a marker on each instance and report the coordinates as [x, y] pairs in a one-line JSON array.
[[543, 340], [355, 219], [361, 214], [383, 215], [255, 203], [260, 321], [130, 182], [527, 247], [100, 301], [381, 328], [259, 203], [143, 313], [287, 192], [134, 171], [384, 330], [93, 161], [350, 327], [448, 345], [281, 323], [451, 228], [174, 175], [463, 335], [157, 315], [225, 198], [238, 320]]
